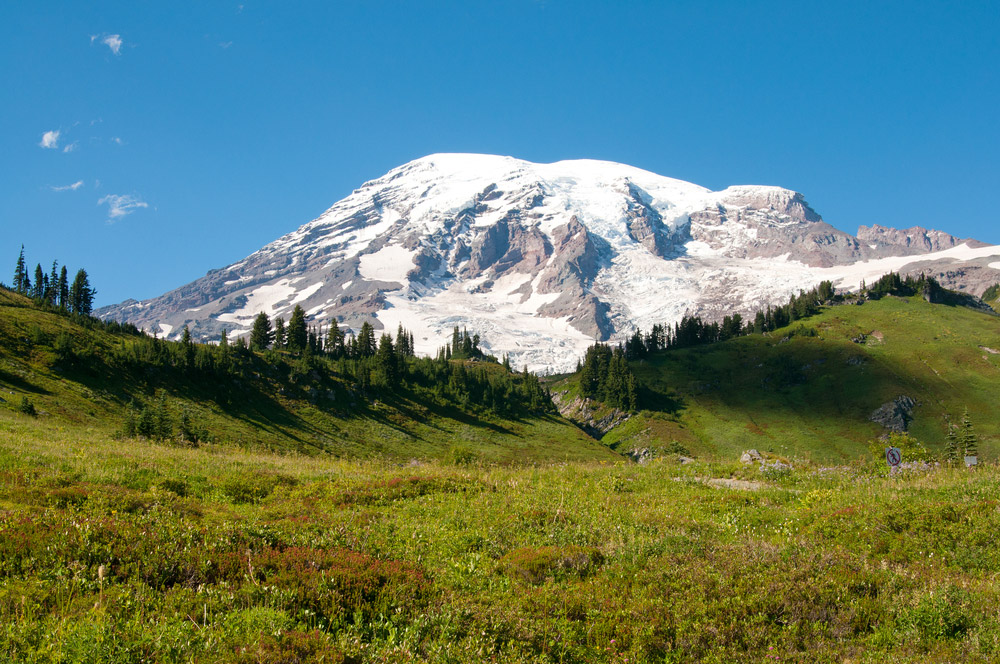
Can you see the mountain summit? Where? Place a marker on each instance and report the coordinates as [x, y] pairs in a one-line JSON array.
[[542, 259]]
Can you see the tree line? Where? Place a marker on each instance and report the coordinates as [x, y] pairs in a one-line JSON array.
[[606, 376], [53, 288]]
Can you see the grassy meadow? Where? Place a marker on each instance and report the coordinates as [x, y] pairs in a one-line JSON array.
[[130, 551], [809, 389]]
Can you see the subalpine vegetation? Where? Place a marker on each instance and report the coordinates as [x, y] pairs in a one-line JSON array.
[[140, 552]]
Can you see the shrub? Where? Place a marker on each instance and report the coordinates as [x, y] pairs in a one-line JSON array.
[[534, 565], [27, 407]]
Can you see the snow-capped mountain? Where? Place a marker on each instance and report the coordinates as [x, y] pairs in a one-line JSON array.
[[542, 259]]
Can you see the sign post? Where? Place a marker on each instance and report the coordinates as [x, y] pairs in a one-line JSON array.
[[893, 456]]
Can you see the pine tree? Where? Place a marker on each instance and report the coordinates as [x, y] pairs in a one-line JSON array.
[[280, 334], [366, 340], [188, 346], [335, 339], [951, 446], [52, 285], [38, 292], [261, 335], [81, 295], [20, 274], [385, 361], [298, 336], [63, 288], [969, 440]]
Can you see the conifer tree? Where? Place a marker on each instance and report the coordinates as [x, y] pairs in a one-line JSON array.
[[81, 295], [335, 339], [366, 340], [38, 292], [52, 285], [188, 346], [20, 274], [298, 336], [951, 446], [969, 440], [63, 288], [261, 335], [279, 332]]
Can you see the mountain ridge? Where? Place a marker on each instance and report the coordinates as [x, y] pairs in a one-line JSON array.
[[542, 259]]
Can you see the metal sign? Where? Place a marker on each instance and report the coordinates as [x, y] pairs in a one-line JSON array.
[[893, 456], [971, 461]]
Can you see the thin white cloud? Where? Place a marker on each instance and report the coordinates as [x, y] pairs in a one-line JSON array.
[[50, 139], [121, 205], [117, 141], [225, 45], [114, 42], [72, 146], [69, 187]]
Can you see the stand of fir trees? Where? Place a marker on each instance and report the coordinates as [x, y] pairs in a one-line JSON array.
[[53, 289], [366, 364]]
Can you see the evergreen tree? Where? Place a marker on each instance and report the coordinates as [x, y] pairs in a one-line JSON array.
[[335, 340], [968, 439], [81, 295], [63, 288], [20, 274], [385, 362], [38, 292], [188, 348], [951, 446], [279, 332], [52, 285], [261, 335], [298, 336], [366, 340]]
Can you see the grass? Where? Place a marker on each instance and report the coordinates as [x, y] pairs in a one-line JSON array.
[[219, 554], [264, 411], [808, 390]]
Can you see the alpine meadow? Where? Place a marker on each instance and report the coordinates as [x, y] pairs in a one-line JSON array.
[[358, 333]]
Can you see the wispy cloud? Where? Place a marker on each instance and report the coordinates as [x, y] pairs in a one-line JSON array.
[[121, 206], [117, 140], [50, 139], [114, 42], [69, 187], [225, 44], [72, 146]]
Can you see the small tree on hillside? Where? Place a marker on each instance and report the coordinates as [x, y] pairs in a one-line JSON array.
[[298, 335], [968, 439], [63, 288], [261, 335], [20, 274], [951, 446], [81, 295], [279, 332]]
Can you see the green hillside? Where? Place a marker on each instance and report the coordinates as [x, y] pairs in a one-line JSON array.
[[808, 390], [78, 373]]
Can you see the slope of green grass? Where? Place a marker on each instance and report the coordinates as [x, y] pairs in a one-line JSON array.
[[266, 409], [140, 552], [808, 390]]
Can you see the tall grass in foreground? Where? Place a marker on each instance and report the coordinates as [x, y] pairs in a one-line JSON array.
[[220, 555]]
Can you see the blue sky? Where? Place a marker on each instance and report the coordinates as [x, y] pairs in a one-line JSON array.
[[152, 141]]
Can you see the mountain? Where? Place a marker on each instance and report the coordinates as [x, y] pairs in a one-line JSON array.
[[542, 259]]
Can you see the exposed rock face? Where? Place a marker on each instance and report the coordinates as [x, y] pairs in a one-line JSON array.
[[543, 259], [895, 415], [910, 241], [582, 412]]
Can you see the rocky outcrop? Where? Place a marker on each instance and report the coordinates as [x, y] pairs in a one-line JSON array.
[[895, 415], [583, 413], [910, 241]]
